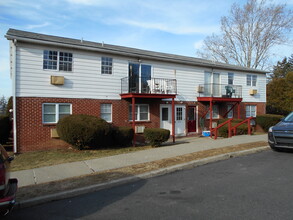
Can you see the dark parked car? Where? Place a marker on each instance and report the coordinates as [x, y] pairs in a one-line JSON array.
[[8, 187], [281, 135]]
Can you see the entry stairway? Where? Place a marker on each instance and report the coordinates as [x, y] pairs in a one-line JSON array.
[[231, 130]]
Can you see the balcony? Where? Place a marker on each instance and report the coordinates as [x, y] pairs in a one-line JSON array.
[[147, 85], [219, 90]]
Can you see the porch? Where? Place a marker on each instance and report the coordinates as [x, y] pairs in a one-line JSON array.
[[134, 88]]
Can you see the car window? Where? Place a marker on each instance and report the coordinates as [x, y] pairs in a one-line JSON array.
[[289, 118]]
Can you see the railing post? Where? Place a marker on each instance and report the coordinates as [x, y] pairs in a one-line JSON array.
[[248, 126], [229, 129]]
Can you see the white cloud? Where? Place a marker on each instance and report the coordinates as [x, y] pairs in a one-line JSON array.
[[33, 26]]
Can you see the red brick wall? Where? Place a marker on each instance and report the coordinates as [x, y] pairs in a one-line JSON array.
[[33, 135]]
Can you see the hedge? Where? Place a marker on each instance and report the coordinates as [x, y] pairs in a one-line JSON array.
[[223, 131], [123, 136], [5, 128], [267, 120], [85, 131], [156, 136]]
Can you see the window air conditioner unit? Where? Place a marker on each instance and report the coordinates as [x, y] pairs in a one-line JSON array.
[[57, 80], [139, 129], [214, 124], [252, 91], [200, 89], [54, 133]]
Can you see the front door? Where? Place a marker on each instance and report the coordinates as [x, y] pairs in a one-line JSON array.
[[191, 119], [166, 118]]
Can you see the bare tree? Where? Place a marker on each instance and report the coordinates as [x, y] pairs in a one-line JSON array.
[[248, 34]]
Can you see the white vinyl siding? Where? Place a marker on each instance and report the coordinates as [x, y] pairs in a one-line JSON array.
[[250, 111], [52, 112], [87, 81], [141, 112], [106, 112]]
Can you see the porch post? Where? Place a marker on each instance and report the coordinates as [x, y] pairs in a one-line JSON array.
[[211, 117], [173, 120], [238, 110], [133, 121]]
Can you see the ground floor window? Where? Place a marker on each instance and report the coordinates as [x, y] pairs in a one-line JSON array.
[[141, 112], [230, 114], [215, 112], [250, 111], [52, 112], [106, 112]]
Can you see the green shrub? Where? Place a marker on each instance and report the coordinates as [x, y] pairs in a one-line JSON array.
[[223, 131], [85, 131], [156, 136], [5, 128], [123, 136], [267, 120]]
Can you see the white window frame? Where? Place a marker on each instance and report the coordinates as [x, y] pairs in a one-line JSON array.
[[56, 111], [107, 65], [137, 114], [216, 113], [58, 61], [231, 113], [111, 110], [248, 111], [251, 80]]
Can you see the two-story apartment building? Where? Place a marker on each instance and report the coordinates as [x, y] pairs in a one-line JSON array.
[[54, 76]]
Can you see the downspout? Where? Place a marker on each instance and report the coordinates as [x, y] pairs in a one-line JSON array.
[[13, 59]]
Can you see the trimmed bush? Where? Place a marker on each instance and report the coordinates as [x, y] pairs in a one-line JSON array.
[[123, 136], [223, 131], [85, 131], [156, 136], [267, 120], [5, 128]]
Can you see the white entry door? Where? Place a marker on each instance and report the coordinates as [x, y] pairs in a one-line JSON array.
[[166, 118]]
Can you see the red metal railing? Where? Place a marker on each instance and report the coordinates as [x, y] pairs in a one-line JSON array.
[[234, 128], [215, 130]]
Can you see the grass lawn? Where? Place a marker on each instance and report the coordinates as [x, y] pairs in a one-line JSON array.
[[31, 160]]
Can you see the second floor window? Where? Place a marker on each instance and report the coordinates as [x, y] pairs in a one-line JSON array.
[[251, 80], [230, 78], [57, 60], [107, 65]]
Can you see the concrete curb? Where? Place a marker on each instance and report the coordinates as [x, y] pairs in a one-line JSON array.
[[112, 183]]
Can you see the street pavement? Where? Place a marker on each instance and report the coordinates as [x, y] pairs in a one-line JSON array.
[[182, 146], [256, 186]]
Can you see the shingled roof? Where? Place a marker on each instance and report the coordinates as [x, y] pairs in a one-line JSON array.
[[120, 50]]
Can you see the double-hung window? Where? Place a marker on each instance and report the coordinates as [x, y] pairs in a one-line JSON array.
[[52, 112], [230, 78], [141, 112], [230, 114], [57, 60], [106, 112], [250, 111], [215, 112], [251, 80], [107, 63]]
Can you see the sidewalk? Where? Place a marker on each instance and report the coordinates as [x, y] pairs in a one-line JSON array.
[[182, 146]]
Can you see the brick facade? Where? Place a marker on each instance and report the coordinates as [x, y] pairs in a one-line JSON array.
[[33, 135]]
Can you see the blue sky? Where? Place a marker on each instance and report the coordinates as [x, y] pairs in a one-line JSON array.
[[171, 26]]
